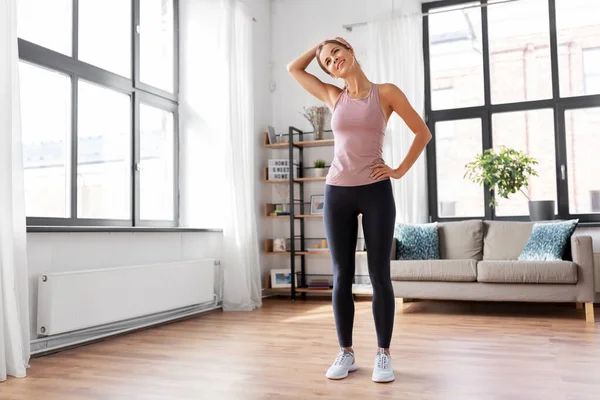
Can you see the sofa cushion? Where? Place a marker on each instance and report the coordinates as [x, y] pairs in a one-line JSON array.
[[417, 241], [460, 240], [434, 270], [513, 271], [548, 240], [505, 240]]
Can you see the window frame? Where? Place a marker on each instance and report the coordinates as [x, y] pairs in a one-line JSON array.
[[558, 104], [138, 91]]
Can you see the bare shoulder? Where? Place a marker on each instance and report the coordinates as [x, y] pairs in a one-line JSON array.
[[390, 93]]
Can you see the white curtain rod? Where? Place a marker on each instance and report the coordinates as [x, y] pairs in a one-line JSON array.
[[349, 27]]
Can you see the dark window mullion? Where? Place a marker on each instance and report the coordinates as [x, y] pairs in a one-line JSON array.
[[74, 114], [485, 40], [176, 48], [135, 37], [75, 30], [562, 185], [176, 221], [135, 157], [135, 142], [74, 145], [486, 118], [430, 149]]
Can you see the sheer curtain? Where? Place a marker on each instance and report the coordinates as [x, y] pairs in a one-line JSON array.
[[14, 305], [242, 287], [396, 56]]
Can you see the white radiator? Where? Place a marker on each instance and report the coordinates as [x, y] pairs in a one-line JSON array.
[[597, 270], [77, 300]]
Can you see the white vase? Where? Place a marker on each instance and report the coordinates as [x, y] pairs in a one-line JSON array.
[[319, 172]]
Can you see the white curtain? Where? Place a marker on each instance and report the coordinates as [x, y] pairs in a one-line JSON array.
[[242, 287], [396, 56], [14, 307]]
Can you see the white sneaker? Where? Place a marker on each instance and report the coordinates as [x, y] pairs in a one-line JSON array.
[[343, 364], [383, 370]]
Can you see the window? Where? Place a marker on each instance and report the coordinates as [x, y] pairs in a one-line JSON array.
[[522, 74], [456, 58], [578, 35], [451, 156], [156, 44], [105, 35], [583, 142], [156, 163], [591, 71], [99, 106], [103, 153], [46, 23], [519, 51], [46, 126], [531, 132]]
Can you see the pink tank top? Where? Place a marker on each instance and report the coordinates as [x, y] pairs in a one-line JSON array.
[[358, 127]]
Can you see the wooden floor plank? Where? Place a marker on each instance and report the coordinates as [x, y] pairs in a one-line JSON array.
[[440, 350]]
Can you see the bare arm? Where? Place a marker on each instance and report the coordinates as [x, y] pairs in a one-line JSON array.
[[323, 91], [395, 101]]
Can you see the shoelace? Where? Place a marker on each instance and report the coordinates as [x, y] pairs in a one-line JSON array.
[[382, 360], [341, 358]]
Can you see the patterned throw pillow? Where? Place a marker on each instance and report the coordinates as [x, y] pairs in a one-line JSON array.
[[548, 240], [417, 241]]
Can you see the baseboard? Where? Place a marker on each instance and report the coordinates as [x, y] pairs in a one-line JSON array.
[[52, 344]]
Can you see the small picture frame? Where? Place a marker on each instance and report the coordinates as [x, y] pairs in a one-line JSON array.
[[271, 135], [281, 278], [317, 203], [279, 244]]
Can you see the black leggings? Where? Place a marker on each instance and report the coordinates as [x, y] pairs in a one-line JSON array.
[[376, 204]]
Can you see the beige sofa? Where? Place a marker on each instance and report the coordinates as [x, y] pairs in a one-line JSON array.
[[478, 261]]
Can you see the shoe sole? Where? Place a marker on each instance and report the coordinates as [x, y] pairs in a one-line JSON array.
[[352, 368], [384, 380]]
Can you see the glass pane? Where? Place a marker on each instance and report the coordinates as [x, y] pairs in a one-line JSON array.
[[46, 122], [591, 70], [104, 153], [578, 32], [156, 43], [456, 144], [520, 67], [46, 23], [157, 164], [533, 133], [456, 59], [105, 35], [583, 142]]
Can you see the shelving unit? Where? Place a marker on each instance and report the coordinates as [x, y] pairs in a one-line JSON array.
[[296, 187]]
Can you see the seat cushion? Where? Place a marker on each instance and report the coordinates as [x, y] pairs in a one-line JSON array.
[[461, 240], [434, 270], [548, 241], [417, 241], [513, 271], [505, 240]]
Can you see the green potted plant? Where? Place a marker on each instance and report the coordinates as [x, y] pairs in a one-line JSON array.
[[319, 168], [506, 173]]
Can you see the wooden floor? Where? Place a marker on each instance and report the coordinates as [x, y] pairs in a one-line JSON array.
[[440, 350]]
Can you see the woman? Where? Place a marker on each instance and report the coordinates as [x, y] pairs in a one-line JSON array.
[[358, 182]]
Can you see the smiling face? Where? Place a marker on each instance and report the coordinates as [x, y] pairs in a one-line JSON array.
[[336, 59]]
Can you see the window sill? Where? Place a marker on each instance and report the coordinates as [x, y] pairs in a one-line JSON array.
[[76, 229]]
